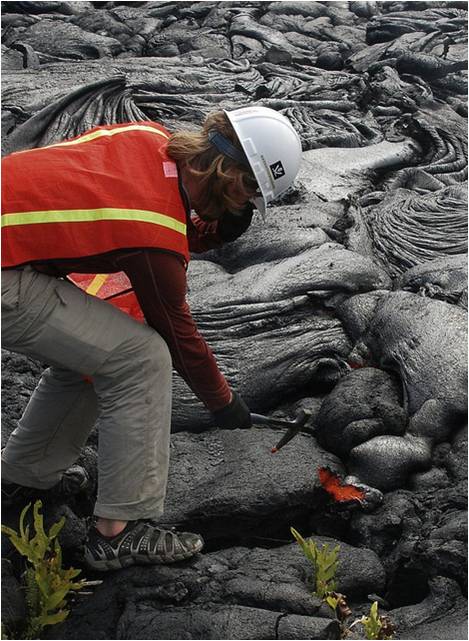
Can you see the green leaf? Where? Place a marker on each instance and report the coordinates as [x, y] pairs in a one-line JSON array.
[[24, 532], [298, 537], [328, 566], [56, 598], [22, 547], [79, 585], [58, 553], [41, 541], [71, 573], [8, 531], [55, 529], [43, 581], [52, 619], [308, 549], [38, 519]]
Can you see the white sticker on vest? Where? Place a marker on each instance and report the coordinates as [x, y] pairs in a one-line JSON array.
[[170, 169]]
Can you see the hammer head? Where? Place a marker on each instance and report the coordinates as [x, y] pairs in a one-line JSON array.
[[302, 418], [295, 427]]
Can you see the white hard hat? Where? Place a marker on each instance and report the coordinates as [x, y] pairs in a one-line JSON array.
[[272, 148]]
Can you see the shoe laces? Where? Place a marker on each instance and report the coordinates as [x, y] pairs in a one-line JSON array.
[[159, 526]]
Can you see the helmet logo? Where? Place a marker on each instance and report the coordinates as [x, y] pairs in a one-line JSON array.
[[277, 170]]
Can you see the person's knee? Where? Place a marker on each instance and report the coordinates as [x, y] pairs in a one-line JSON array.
[[145, 354], [150, 362], [158, 352], [151, 355]]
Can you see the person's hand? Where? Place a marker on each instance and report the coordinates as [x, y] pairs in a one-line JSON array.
[[232, 225], [234, 415]]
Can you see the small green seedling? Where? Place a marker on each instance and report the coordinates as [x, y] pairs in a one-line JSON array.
[[324, 562], [376, 626], [47, 583]]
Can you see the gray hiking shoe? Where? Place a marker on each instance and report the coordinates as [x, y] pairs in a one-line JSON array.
[[140, 542], [73, 481]]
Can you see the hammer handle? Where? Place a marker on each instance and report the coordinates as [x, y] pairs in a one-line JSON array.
[[260, 419]]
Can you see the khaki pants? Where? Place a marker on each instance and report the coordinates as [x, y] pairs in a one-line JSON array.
[[76, 334]]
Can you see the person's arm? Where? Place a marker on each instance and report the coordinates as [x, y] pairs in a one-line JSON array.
[[203, 236], [159, 282]]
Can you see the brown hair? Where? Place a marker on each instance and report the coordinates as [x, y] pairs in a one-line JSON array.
[[223, 181]]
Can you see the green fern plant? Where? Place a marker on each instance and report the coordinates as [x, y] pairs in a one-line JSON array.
[[376, 626], [324, 561], [47, 583]]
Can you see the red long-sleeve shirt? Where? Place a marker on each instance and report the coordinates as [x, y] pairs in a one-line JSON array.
[[159, 281]]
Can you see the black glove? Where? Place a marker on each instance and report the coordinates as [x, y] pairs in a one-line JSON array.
[[235, 415], [232, 225]]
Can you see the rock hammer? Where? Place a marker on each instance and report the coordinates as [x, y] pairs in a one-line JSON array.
[[294, 427]]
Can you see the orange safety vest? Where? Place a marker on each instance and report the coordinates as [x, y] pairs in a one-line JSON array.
[[112, 188]]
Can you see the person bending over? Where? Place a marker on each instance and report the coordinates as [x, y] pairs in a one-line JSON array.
[[129, 198]]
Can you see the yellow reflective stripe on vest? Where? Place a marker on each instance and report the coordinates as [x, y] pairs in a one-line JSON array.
[[98, 134], [95, 285], [108, 132], [92, 215]]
